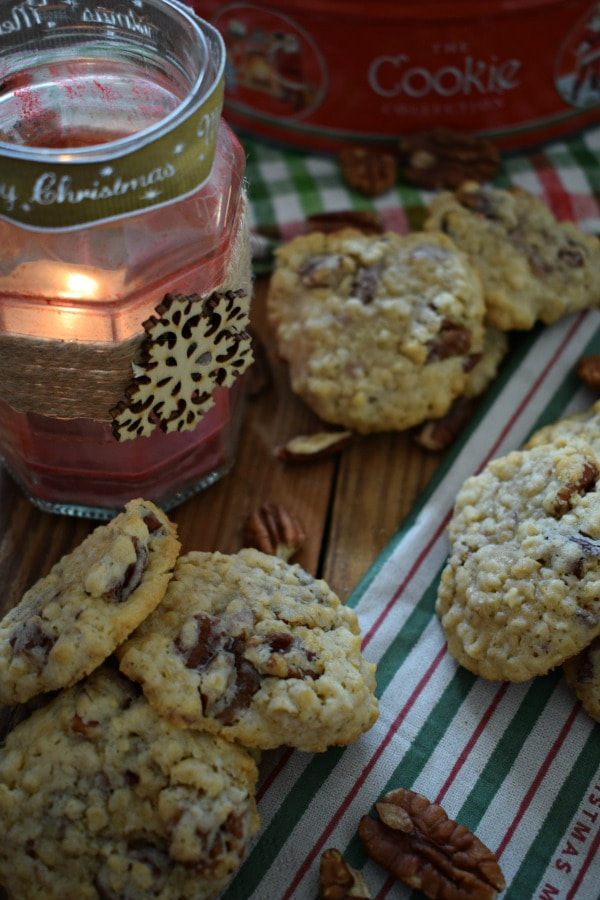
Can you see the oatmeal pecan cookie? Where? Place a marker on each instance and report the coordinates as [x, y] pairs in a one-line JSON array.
[[379, 331], [72, 619], [533, 267], [255, 649], [520, 594], [100, 797]]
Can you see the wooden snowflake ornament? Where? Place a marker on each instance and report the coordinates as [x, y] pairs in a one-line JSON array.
[[193, 345]]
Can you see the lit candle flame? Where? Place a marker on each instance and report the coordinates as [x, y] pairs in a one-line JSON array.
[[82, 286]]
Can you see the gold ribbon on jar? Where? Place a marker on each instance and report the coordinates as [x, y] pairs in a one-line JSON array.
[[45, 190]]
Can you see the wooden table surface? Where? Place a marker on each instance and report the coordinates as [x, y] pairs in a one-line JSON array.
[[349, 504]]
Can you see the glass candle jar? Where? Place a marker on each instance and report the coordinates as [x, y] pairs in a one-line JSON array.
[[124, 254]]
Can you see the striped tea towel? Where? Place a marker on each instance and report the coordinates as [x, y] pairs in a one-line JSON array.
[[518, 764]]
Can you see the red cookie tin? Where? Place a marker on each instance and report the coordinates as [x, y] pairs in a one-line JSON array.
[[319, 74]]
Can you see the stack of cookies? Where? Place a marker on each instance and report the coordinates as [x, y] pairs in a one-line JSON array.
[[383, 332], [109, 790], [520, 593]]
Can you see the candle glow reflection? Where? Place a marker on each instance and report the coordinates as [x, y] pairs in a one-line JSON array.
[[77, 308]]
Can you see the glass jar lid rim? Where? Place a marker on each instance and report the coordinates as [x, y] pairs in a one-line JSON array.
[[205, 84]]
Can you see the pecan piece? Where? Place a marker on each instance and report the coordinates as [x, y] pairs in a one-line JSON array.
[[443, 158], [338, 880], [365, 220], [30, 639], [282, 655], [324, 270], [152, 522], [213, 644], [562, 502], [478, 200], [308, 447], [589, 550], [438, 434], [588, 369], [368, 170], [416, 841], [453, 339], [274, 530], [132, 576], [573, 255], [587, 617], [156, 858], [80, 726], [366, 281]]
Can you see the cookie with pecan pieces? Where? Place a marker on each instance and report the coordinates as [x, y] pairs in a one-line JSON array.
[[257, 650], [533, 267], [520, 592], [100, 797], [379, 331], [71, 620]]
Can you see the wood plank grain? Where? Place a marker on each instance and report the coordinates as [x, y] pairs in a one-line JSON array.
[[379, 478]]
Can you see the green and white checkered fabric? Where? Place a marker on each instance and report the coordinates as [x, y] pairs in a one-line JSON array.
[[286, 187], [517, 763]]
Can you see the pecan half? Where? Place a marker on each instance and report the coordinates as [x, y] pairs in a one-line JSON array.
[[275, 530], [368, 170], [416, 841], [444, 158], [365, 220], [338, 880], [588, 369], [308, 447]]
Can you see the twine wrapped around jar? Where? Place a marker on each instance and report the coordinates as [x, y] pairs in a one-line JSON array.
[[71, 379]]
